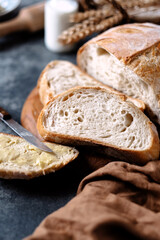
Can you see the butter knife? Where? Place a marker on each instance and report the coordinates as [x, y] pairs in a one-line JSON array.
[[21, 131]]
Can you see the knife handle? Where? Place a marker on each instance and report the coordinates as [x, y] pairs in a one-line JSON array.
[[4, 114]]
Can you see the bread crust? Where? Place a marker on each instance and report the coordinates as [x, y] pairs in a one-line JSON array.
[[45, 92], [42, 86], [17, 174], [134, 156], [127, 41]]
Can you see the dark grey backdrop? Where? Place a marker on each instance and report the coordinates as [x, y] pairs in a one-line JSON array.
[[23, 204]]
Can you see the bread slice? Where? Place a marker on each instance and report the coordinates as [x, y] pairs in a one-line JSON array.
[[60, 76], [96, 117], [19, 159], [127, 58]]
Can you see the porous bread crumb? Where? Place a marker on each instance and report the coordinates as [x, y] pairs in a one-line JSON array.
[[94, 114]]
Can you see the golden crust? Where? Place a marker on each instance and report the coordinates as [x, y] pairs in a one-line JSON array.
[[137, 45], [147, 64], [128, 40], [17, 174], [135, 156]]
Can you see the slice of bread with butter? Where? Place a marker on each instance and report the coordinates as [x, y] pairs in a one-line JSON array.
[[21, 160]]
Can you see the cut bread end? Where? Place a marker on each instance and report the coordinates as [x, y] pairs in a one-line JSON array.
[[21, 160], [138, 79], [94, 116]]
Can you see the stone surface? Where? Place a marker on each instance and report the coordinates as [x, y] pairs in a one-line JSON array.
[[23, 204]]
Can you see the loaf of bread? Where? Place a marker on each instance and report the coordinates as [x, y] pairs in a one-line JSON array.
[[96, 117], [19, 159], [60, 76], [127, 58]]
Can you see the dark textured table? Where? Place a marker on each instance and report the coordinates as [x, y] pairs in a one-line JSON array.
[[23, 204]]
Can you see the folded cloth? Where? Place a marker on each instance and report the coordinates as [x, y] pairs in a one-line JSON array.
[[119, 201]]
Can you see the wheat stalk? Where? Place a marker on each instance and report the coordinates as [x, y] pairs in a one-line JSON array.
[[106, 14], [100, 14], [110, 22], [86, 28]]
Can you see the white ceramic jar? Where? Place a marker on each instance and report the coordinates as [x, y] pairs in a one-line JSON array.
[[57, 13]]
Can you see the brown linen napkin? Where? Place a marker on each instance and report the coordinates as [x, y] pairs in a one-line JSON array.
[[119, 201]]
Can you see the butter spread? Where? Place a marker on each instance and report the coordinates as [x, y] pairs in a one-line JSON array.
[[16, 151]]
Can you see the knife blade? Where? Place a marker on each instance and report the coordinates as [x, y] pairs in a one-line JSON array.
[[21, 131]]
